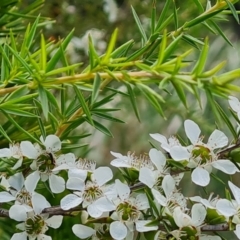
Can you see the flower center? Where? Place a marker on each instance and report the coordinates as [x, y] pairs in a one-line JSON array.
[[35, 225], [46, 163], [24, 197], [128, 212], [92, 192], [201, 153]]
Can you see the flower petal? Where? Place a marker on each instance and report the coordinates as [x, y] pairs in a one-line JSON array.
[[123, 190], [32, 181], [180, 218], [226, 208], [82, 231], [28, 150], [70, 201], [118, 230], [192, 131], [16, 181], [179, 153], [142, 201], [198, 214], [147, 176], [56, 183], [225, 166], [200, 177], [54, 221], [5, 152], [74, 183], [39, 202], [235, 191], [6, 197], [102, 175], [234, 103], [141, 226], [19, 236], [158, 159], [19, 212], [217, 139], [168, 185], [237, 231], [52, 143], [159, 197]]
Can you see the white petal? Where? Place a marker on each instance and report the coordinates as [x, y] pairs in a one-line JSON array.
[[118, 230], [198, 214], [19, 236], [192, 131], [236, 191], [68, 159], [141, 226], [52, 143], [70, 201], [78, 173], [225, 166], [179, 153], [208, 237], [5, 152], [32, 181], [142, 201], [28, 150], [237, 231], [104, 204], [94, 211], [158, 159], [200, 177], [43, 237], [159, 198], [180, 218], [6, 197], [102, 175], [147, 176], [18, 212], [159, 137], [123, 190], [168, 185], [54, 221], [16, 181], [226, 208], [39, 202], [217, 139], [56, 183], [234, 103], [74, 183], [82, 231]]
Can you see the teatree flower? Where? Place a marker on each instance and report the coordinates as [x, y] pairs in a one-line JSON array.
[[13, 151], [94, 195], [208, 203], [202, 157], [18, 193], [128, 212], [231, 208], [44, 161], [34, 224], [166, 144], [131, 161]]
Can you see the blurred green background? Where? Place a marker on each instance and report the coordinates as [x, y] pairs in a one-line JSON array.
[[100, 18]]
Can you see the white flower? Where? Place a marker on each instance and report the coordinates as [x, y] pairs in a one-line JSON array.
[[34, 224], [130, 161], [44, 162], [83, 231], [208, 203], [231, 208], [13, 151], [166, 144], [194, 222], [128, 212], [18, 193], [237, 231], [94, 195], [202, 157]]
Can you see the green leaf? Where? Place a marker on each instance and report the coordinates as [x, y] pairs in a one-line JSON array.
[[218, 29], [162, 48], [83, 104], [110, 47], [122, 50], [101, 128], [233, 10], [70, 146], [5, 134], [57, 55], [96, 88], [199, 66], [104, 101], [199, 5], [153, 17], [43, 59], [163, 15], [139, 25], [225, 118], [93, 56], [44, 101], [107, 117], [133, 100], [175, 15], [179, 90], [40, 122]]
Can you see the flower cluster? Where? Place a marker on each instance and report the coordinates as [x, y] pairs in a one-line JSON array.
[[147, 198]]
